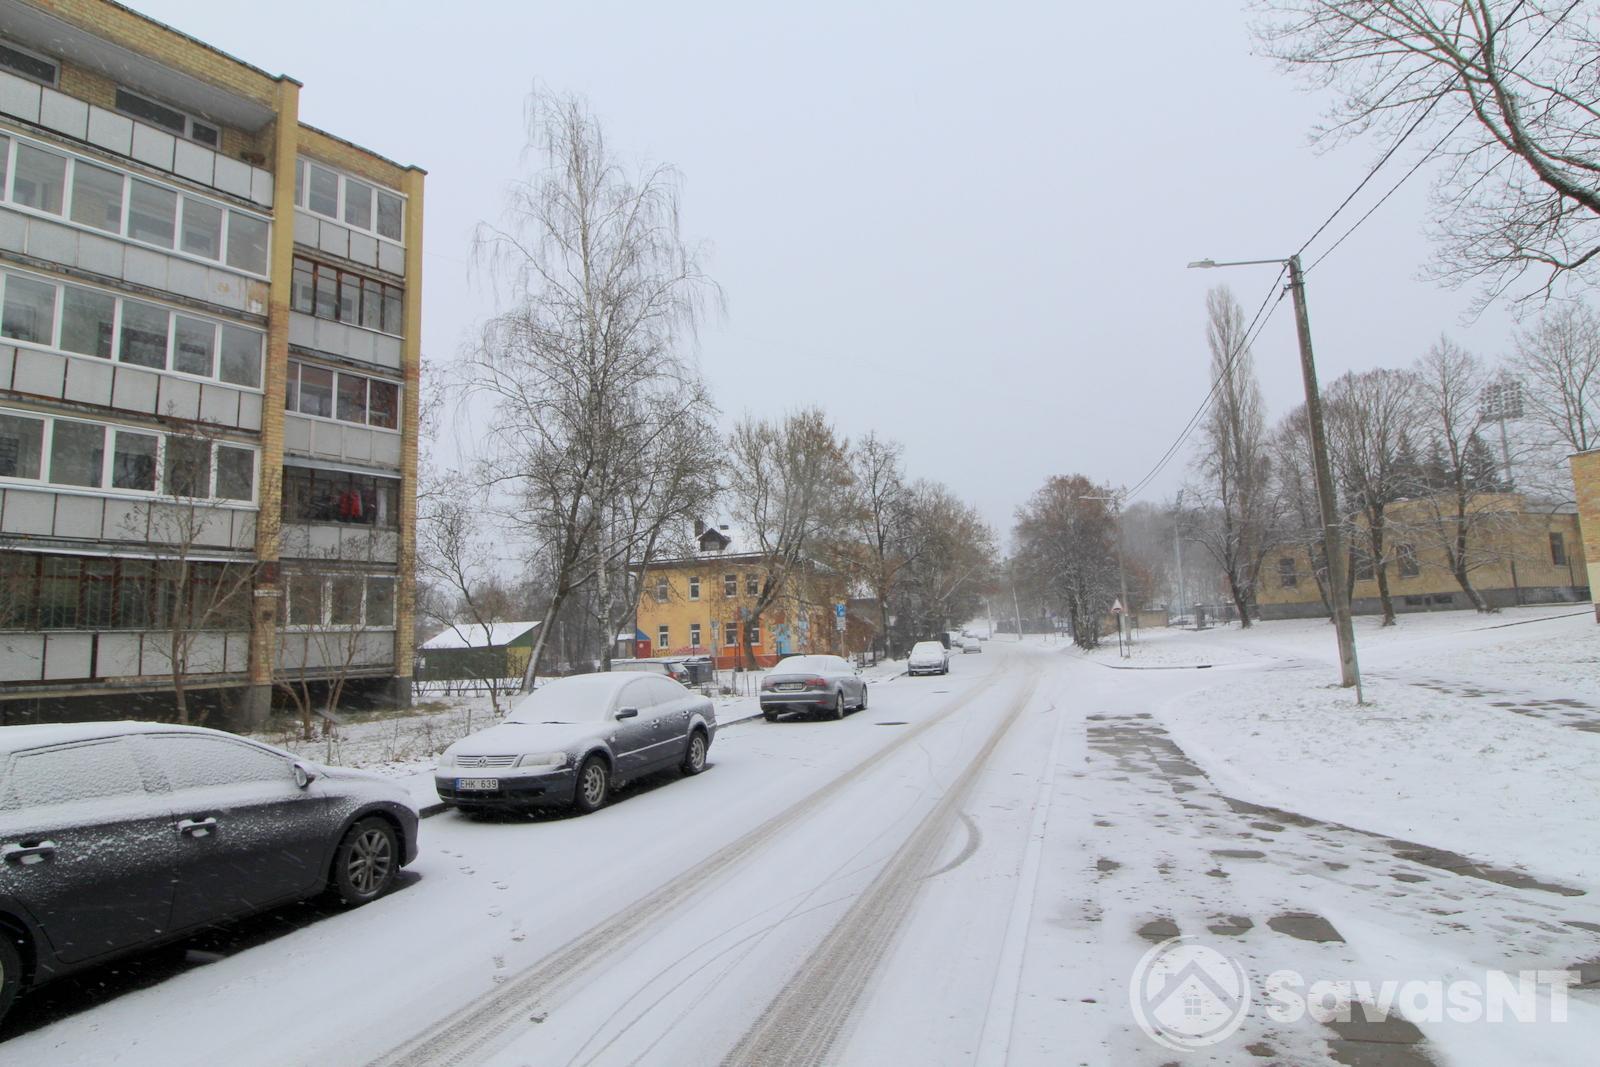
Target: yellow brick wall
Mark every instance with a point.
(95, 88)
(1586, 483)
(165, 44)
(411, 356)
(352, 159)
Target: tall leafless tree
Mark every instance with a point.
(1066, 551)
(881, 517)
(583, 367)
(1233, 463)
(1294, 481)
(1369, 415)
(1512, 85)
(1459, 512)
(1558, 363)
(788, 484)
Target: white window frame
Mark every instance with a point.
(694, 587)
(325, 617)
(302, 199)
(65, 218)
(663, 636)
(115, 358)
(108, 455)
(694, 635)
(292, 374)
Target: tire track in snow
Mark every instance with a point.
(473, 1032)
(802, 1023)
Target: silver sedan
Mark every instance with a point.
(569, 742)
(825, 685)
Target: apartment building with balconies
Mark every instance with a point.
(209, 341)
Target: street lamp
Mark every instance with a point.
(1332, 546)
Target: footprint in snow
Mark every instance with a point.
(501, 885)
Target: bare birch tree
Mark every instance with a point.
(1558, 362)
(1512, 85)
(1294, 481)
(1368, 417)
(1066, 550)
(583, 366)
(1233, 464)
(1458, 513)
(881, 516)
(788, 484)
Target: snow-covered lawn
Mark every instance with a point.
(1480, 734)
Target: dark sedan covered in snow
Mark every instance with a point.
(118, 836)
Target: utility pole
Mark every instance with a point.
(1016, 604)
(1332, 539)
(1177, 551)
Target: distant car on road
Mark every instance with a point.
(570, 742)
(970, 644)
(117, 836)
(928, 657)
(826, 685)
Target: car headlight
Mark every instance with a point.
(544, 760)
(448, 759)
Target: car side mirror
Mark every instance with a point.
(627, 713)
(303, 776)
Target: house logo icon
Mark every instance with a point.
(1187, 996)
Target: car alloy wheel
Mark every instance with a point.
(10, 970)
(594, 782)
(694, 760)
(863, 706)
(367, 860)
(838, 704)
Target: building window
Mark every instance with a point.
(1363, 567)
(168, 118)
(74, 453)
(28, 64)
(661, 590)
(1288, 577)
(149, 335)
(21, 446)
(694, 635)
(752, 634)
(1406, 557)
(358, 204)
(365, 401)
(731, 632)
(730, 585)
(663, 637)
(339, 601)
(752, 584)
(343, 296)
(694, 587)
(71, 593)
(39, 179)
(315, 495)
(112, 201)
(1558, 549)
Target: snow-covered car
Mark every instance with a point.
(117, 836)
(928, 657)
(970, 644)
(665, 668)
(825, 685)
(571, 741)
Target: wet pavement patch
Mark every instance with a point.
(1229, 925)
(888, 724)
(1304, 926)
(1261, 1049)
(1371, 1041)
(1238, 853)
(1106, 865)
(1158, 930)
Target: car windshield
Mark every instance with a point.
(927, 648)
(565, 700)
(806, 665)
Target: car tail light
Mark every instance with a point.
(816, 683)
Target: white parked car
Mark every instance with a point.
(928, 657)
(569, 742)
(970, 644)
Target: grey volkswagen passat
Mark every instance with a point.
(824, 685)
(116, 836)
(569, 742)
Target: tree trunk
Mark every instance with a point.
(1239, 603)
(532, 670)
(1375, 534)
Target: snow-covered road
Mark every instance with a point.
(967, 872)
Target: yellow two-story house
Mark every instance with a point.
(703, 604)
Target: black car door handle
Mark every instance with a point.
(25, 855)
(197, 827)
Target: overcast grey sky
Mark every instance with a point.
(964, 226)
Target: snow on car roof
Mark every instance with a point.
(578, 697)
(16, 738)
